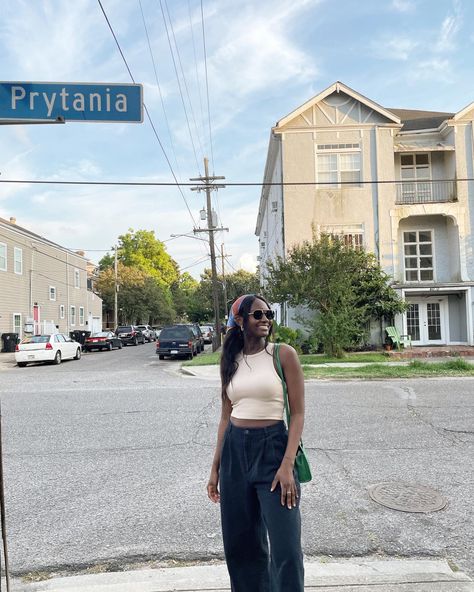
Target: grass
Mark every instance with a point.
(415, 369)
(211, 359)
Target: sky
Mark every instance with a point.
(264, 58)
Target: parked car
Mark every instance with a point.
(130, 334)
(148, 332)
(207, 332)
(198, 334)
(103, 340)
(157, 331)
(177, 340)
(47, 348)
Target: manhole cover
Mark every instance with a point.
(407, 498)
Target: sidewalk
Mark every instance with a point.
(354, 575)
(7, 361)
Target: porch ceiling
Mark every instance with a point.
(414, 147)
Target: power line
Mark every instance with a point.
(196, 66)
(179, 84)
(207, 88)
(146, 110)
(177, 183)
(159, 86)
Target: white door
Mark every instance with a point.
(426, 321)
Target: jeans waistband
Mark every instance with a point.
(276, 428)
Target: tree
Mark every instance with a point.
(346, 288)
(183, 292)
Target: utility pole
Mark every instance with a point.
(207, 186)
(116, 290)
(224, 285)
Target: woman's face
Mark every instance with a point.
(258, 327)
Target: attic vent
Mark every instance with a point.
(274, 206)
(262, 245)
(338, 146)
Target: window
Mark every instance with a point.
(338, 163)
(73, 315)
(18, 260)
(17, 324)
(61, 311)
(52, 293)
(81, 315)
(416, 168)
(418, 255)
(351, 236)
(274, 206)
(3, 257)
(77, 283)
(356, 241)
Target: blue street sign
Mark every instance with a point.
(75, 101)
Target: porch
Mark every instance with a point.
(433, 351)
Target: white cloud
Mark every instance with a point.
(248, 262)
(434, 68)
(403, 5)
(449, 29)
(394, 48)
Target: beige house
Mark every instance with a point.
(43, 286)
(397, 182)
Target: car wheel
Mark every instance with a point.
(120, 345)
(21, 364)
(161, 357)
(135, 342)
(57, 358)
(78, 354)
(194, 354)
(110, 347)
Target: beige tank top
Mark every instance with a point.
(255, 390)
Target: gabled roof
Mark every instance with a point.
(413, 119)
(463, 112)
(338, 87)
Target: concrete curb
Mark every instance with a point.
(363, 575)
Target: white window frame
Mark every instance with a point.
(339, 149)
(418, 269)
(52, 292)
(81, 316)
(72, 315)
(343, 232)
(18, 251)
(77, 278)
(414, 186)
(5, 267)
(19, 331)
(405, 167)
(62, 311)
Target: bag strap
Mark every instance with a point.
(279, 368)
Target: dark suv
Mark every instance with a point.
(130, 335)
(177, 340)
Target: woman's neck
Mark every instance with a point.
(253, 345)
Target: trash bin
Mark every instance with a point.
(80, 336)
(9, 341)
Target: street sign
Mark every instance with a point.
(75, 101)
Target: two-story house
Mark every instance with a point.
(397, 182)
(43, 286)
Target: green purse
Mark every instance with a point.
(303, 470)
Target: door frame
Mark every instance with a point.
(444, 319)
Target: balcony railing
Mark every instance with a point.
(416, 192)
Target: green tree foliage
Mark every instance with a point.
(345, 287)
(183, 292)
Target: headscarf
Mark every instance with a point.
(235, 310)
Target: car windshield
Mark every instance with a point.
(124, 329)
(37, 339)
(175, 333)
(141, 327)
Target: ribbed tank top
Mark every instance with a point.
(255, 390)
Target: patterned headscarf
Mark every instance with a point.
(234, 311)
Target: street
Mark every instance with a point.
(106, 462)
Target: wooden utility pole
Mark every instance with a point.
(208, 185)
(116, 290)
(224, 285)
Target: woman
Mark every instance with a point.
(254, 457)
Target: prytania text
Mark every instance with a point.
(76, 101)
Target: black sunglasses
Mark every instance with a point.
(258, 314)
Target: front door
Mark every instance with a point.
(426, 321)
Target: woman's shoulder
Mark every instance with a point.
(287, 352)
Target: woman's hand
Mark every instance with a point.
(284, 476)
(212, 490)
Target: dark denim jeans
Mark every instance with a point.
(252, 516)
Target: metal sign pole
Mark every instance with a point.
(2, 510)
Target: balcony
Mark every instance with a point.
(418, 192)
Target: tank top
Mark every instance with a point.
(255, 390)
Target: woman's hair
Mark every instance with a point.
(234, 341)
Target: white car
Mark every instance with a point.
(47, 348)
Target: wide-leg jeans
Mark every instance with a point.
(262, 538)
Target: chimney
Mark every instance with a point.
(81, 253)
(12, 220)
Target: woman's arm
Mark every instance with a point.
(212, 486)
(295, 385)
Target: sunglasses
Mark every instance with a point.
(258, 314)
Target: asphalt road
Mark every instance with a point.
(106, 461)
